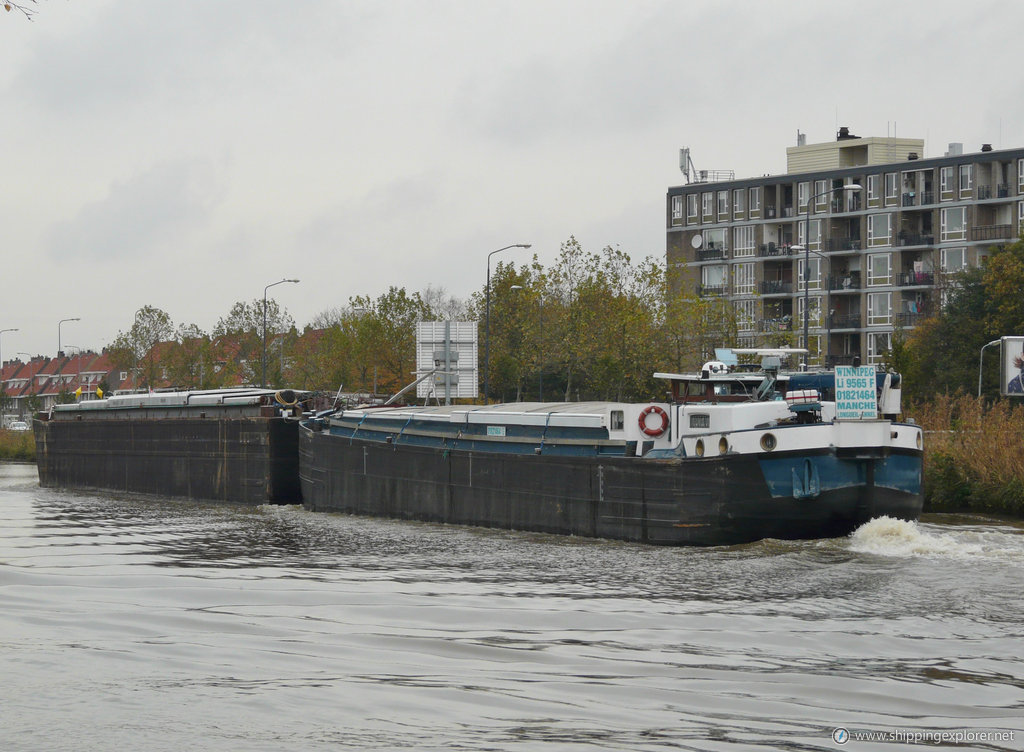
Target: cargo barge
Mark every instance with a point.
(734, 456)
(238, 445)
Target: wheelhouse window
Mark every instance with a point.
(616, 420)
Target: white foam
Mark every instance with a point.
(887, 536)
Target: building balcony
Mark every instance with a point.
(776, 287)
(833, 245)
(843, 282)
(844, 321)
(987, 192)
(911, 198)
(710, 291)
(711, 253)
(847, 359)
(905, 238)
(915, 279)
(992, 232)
(781, 324)
(771, 250)
(909, 320)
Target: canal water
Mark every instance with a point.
(156, 624)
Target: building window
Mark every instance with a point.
(821, 195)
(890, 188)
(691, 209)
(714, 278)
(879, 230)
(814, 306)
(1020, 219)
(739, 203)
(723, 205)
(879, 269)
(803, 192)
(716, 240)
(966, 180)
(879, 343)
(743, 241)
(743, 278)
(874, 192)
(677, 210)
(954, 223)
(1020, 176)
(953, 260)
(946, 183)
(814, 269)
(755, 202)
(879, 308)
(707, 205)
(815, 242)
(746, 315)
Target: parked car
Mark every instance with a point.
(19, 425)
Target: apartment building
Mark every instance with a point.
(881, 231)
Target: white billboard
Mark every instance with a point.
(856, 398)
(449, 349)
(1011, 369)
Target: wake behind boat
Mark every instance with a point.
(734, 456)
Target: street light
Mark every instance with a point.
(58, 333)
(981, 361)
(1, 354)
(807, 259)
(487, 340)
(263, 381)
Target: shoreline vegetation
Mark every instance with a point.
(17, 446)
(972, 461)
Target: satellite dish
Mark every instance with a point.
(697, 241)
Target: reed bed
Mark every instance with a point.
(974, 454)
(17, 445)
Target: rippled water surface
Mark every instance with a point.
(156, 624)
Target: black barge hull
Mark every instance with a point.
(251, 460)
(681, 501)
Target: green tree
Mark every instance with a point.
(242, 331)
(136, 349)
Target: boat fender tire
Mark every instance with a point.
(653, 410)
(286, 397)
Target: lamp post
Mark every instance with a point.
(1, 354)
(58, 333)
(263, 380)
(807, 259)
(981, 361)
(487, 335)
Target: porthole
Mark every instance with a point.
(919, 442)
(768, 442)
(699, 449)
(723, 445)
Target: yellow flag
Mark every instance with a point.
(78, 392)
(99, 393)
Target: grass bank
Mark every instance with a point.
(17, 445)
(974, 454)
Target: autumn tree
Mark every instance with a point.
(136, 349)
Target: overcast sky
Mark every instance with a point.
(185, 155)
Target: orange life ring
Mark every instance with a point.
(655, 410)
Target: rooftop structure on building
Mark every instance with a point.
(881, 230)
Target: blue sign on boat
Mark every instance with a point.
(856, 398)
